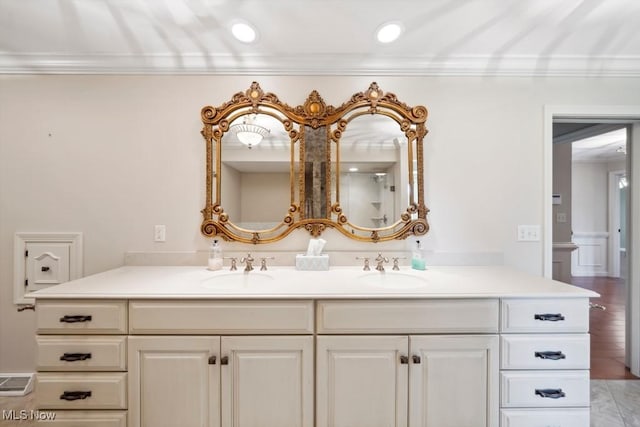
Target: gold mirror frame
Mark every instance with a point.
(315, 114)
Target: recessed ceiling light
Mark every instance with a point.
(243, 32)
(389, 32)
(353, 169)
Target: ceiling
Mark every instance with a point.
(606, 147)
(322, 37)
(593, 142)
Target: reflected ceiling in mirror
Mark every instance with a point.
(273, 168)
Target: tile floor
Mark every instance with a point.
(615, 403)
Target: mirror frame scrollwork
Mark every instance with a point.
(314, 114)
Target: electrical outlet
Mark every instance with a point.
(160, 233)
(561, 217)
(528, 233)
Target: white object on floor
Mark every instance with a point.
(16, 384)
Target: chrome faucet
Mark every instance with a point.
(379, 261)
(248, 262)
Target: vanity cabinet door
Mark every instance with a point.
(453, 381)
(361, 381)
(267, 381)
(174, 381)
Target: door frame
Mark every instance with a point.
(614, 222)
(630, 113)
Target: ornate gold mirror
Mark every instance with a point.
(272, 168)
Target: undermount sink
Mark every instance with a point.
(392, 280)
(238, 279)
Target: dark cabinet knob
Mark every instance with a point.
(75, 357)
(75, 319)
(75, 395)
(416, 359)
(549, 317)
(550, 355)
(404, 360)
(551, 393)
(224, 360)
(212, 360)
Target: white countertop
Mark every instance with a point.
(288, 283)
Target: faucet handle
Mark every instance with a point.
(263, 262)
(366, 263)
(395, 262)
(234, 263)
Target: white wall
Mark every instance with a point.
(562, 171)
(230, 190)
(589, 197)
(265, 198)
(113, 155)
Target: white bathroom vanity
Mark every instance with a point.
(183, 346)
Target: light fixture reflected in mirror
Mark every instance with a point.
(622, 182)
(249, 133)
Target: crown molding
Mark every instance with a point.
(330, 64)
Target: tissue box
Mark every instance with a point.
(312, 262)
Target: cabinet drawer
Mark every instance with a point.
(407, 316)
(81, 391)
(562, 388)
(570, 417)
(545, 315)
(81, 317)
(221, 317)
(558, 351)
(87, 419)
(74, 353)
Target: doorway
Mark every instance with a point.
(589, 168)
(629, 115)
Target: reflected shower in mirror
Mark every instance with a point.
(373, 171)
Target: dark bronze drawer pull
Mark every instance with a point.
(45, 268)
(549, 317)
(404, 360)
(224, 360)
(75, 319)
(550, 355)
(75, 357)
(552, 393)
(74, 395)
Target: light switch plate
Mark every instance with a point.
(528, 233)
(160, 233)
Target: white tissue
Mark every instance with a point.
(315, 247)
(320, 247)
